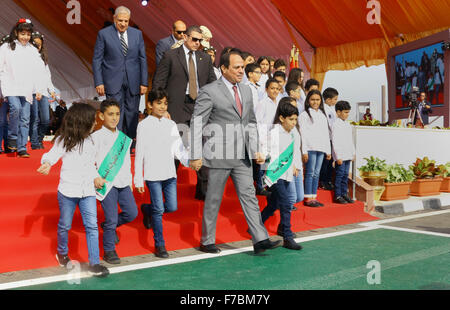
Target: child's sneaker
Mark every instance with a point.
(63, 260)
(98, 271)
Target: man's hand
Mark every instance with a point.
(305, 158)
(296, 171)
(100, 90)
(38, 96)
(140, 190)
(99, 182)
(44, 169)
(328, 156)
(260, 158)
(167, 115)
(143, 90)
(339, 162)
(195, 164)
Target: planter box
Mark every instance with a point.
(396, 191)
(445, 185)
(425, 187)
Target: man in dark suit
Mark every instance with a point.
(120, 68)
(423, 109)
(182, 72)
(222, 104)
(165, 44)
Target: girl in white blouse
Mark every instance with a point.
(315, 144)
(74, 145)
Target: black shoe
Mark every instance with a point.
(116, 238)
(98, 271)
(340, 200)
(23, 154)
(266, 244)
(147, 218)
(281, 234)
(319, 203)
(12, 145)
(161, 252)
(291, 244)
(294, 208)
(312, 203)
(35, 147)
(111, 257)
(200, 197)
(63, 260)
(348, 199)
(210, 248)
(327, 186)
(331, 185)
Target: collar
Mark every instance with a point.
(186, 51)
(228, 83)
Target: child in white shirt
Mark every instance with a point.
(114, 168)
(157, 143)
(343, 152)
(74, 145)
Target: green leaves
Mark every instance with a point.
(425, 168)
(373, 164)
(396, 173)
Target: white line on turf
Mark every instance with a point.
(404, 218)
(415, 231)
(112, 270)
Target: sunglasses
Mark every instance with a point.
(196, 39)
(180, 31)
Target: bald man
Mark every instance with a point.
(163, 45)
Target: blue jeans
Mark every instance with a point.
(88, 209)
(19, 121)
(123, 196)
(158, 207)
(341, 181)
(39, 120)
(312, 173)
(279, 199)
(296, 189)
(3, 124)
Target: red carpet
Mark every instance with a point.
(30, 216)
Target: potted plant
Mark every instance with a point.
(397, 182)
(445, 174)
(374, 173)
(427, 180)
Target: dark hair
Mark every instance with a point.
(193, 28)
(295, 74)
(157, 94)
(279, 74)
(330, 93)
(279, 63)
(225, 57)
(285, 109)
(76, 125)
(19, 27)
(307, 105)
(342, 106)
(290, 86)
(43, 51)
(108, 103)
(245, 55)
(270, 81)
(251, 68)
(310, 83)
(261, 59)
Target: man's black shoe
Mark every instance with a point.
(116, 238)
(161, 252)
(63, 260)
(266, 244)
(327, 186)
(98, 271)
(291, 244)
(12, 145)
(111, 257)
(312, 203)
(23, 154)
(147, 218)
(210, 248)
(340, 200)
(348, 199)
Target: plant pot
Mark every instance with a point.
(396, 191)
(445, 185)
(375, 179)
(425, 187)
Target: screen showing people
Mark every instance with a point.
(421, 70)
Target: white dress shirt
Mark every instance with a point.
(157, 143)
(265, 115)
(78, 168)
(342, 138)
(331, 115)
(186, 54)
(125, 36)
(104, 140)
(314, 132)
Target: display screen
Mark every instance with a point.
(422, 68)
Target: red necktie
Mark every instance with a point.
(238, 100)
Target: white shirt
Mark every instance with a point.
(314, 132)
(230, 88)
(280, 139)
(125, 36)
(331, 115)
(104, 140)
(49, 85)
(265, 114)
(78, 168)
(342, 138)
(186, 53)
(217, 72)
(157, 143)
(23, 71)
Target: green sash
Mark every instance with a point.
(280, 165)
(112, 163)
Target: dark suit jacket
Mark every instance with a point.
(424, 114)
(110, 66)
(163, 46)
(172, 75)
